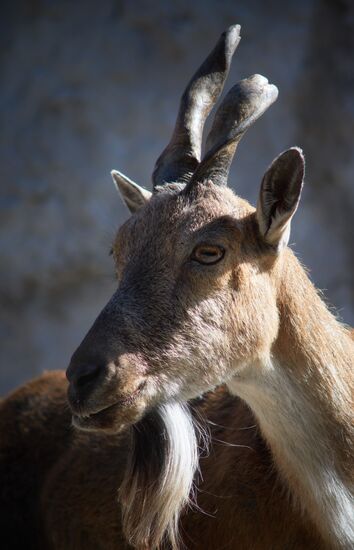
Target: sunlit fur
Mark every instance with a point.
(172, 331)
(291, 423)
(253, 321)
(159, 475)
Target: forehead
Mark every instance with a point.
(171, 213)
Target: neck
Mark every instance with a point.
(302, 397)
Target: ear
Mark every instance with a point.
(134, 196)
(279, 197)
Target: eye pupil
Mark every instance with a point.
(208, 254)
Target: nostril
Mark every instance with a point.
(83, 375)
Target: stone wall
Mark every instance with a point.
(88, 86)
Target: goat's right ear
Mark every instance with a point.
(279, 197)
(134, 196)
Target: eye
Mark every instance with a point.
(208, 254)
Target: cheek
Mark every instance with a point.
(199, 347)
(253, 316)
(217, 333)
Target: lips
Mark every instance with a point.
(110, 418)
(102, 420)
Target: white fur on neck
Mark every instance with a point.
(299, 441)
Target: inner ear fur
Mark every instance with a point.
(279, 196)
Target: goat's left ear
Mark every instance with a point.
(134, 196)
(279, 197)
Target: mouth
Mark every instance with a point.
(112, 418)
(96, 421)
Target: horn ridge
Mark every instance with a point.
(181, 157)
(241, 107)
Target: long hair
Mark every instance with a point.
(159, 475)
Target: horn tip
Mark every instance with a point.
(266, 92)
(233, 30)
(232, 37)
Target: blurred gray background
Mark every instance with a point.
(90, 86)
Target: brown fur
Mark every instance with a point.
(207, 294)
(35, 426)
(243, 503)
(61, 488)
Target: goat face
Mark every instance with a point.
(194, 304)
(199, 271)
(196, 265)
